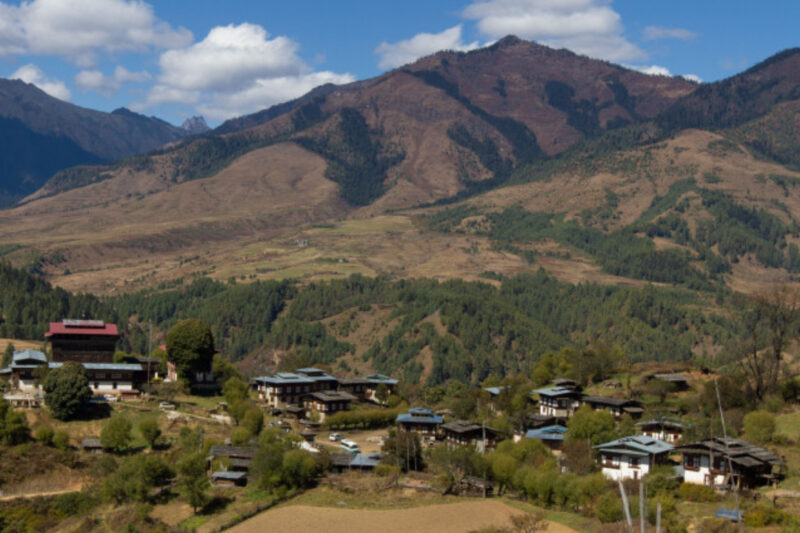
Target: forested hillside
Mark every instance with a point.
(489, 328)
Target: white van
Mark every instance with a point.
(349, 446)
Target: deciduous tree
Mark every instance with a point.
(66, 390)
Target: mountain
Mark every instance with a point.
(195, 125)
(493, 162)
(41, 124)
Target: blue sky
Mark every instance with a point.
(178, 58)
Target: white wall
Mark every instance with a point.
(625, 470)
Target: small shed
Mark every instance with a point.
(229, 479)
(92, 445)
(474, 486)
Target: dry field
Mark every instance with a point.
(458, 517)
(20, 344)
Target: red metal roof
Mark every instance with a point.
(81, 327)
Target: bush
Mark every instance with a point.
(759, 427)
(240, 436)
(45, 434)
(61, 440)
(609, 508)
(116, 434)
(762, 515)
(150, 431)
(697, 493)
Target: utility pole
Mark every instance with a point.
(626, 507)
(641, 506)
(658, 517)
(728, 453)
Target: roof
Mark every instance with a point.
(564, 382)
(106, 366)
(361, 460)
(726, 513)
(494, 391)
(547, 433)
(636, 445)
(28, 355)
(91, 442)
(740, 452)
(233, 451)
(332, 396)
(82, 327)
(341, 459)
(419, 415)
(674, 378)
(284, 377)
(315, 374)
(666, 424)
(230, 476)
(380, 378)
(557, 391)
(466, 426)
(352, 381)
(610, 401)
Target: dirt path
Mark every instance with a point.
(447, 518)
(6, 497)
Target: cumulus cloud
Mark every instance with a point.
(653, 33)
(589, 27)
(30, 73)
(94, 80)
(393, 55)
(79, 29)
(236, 69)
(692, 77)
(658, 70)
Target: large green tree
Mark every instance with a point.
(116, 434)
(66, 390)
(193, 480)
(190, 346)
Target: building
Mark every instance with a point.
(678, 381)
(420, 420)
(632, 457)
(289, 388)
(551, 436)
(86, 341)
(566, 383)
(560, 402)
(22, 374)
(355, 386)
(104, 378)
(322, 381)
(374, 382)
(326, 403)
(237, 461)
(722, 462)
(616, 406)
(92, 445)
(465, 433)
(665, 430)
(225, 478)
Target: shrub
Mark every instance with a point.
(609, 508)
(697, 493)
(116, 434)
(45, 434)
(150, 431)
(61, 440)
(759, 427)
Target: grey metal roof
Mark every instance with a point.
(419, 415)
(465, 426)
(636, 444)
(28, 355)
(366, 460)
(547, 433)
(233, 451)
(738, 450)
(380, 378)
(494, 391)
(557, 391)
(332, 396)
(230, 476)
(106, 366)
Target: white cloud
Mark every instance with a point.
(393, 55)
(653, 70)
(30, 73)
(589, 27)
(653, 33)
(692, 77)
(79, 29)
(236, 69)
(94, 80)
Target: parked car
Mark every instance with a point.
(166, 406)
(335, 437)
(111, 397)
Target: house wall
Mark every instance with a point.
(702, 475)
(665, 436)
(621, 467)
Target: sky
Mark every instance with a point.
(178, 58)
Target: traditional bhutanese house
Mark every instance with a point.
(355, 386)
(709, 462)
(632, 457)
(616, 406)
(150, 366)
(665, 430)
(551, 436)
(374, 381)
(558, 401)
(678, 381)
(86, 341)
(326, 403)
(420, 420)
(322, 381)
(465, 433)
(237, 458)
(22, 373)
(282, 389)
(111, 378)
(226, 478)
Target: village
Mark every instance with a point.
(366, 426)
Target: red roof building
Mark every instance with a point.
(86, 341)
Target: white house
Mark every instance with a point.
(666, 430)
(560, 402)
(709, 462)
(632, 457)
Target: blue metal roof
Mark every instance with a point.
(282, 378)
(556, 391)
(494, 391)
(28, 355)
(363, 460)
(130, 367)
(419, 415)
(726, 513)
(547, 433)
(232, 476)
(635, 445)
(380, 378)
